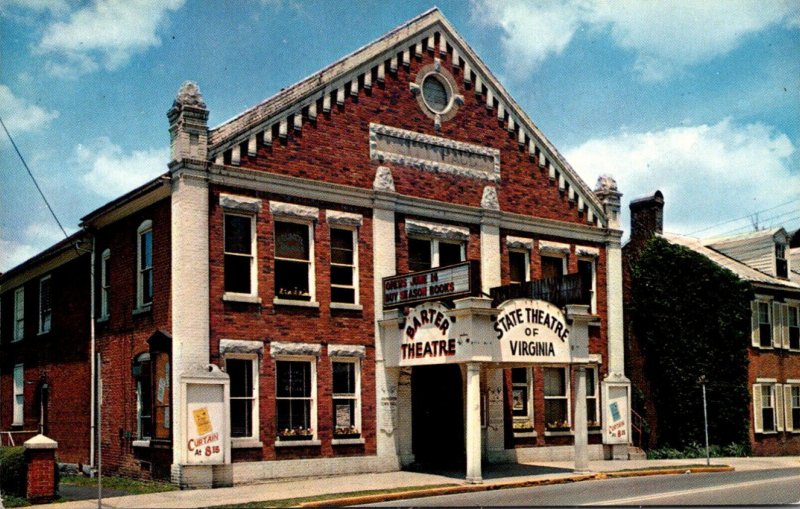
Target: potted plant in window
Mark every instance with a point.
(295, 434)
(348, 432)
(557, 426)
(593, 425)
(523, 427)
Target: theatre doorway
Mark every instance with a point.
(437, 416)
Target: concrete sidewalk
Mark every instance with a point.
(493, 474)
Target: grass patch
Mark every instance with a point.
(130, 486)
(667, 467)
(12, 501)
(294, 502)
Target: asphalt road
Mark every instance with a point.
(756, 487)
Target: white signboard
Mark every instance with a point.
(530, 330)
(205, 440)
(617, 416)
(427, 336)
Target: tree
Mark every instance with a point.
(692, 318)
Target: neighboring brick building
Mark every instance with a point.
(762, 259)
(263, 251)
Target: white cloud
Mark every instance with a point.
(54, 6)
(105, 34)
(20, 116)
(708, 173)
(12, 253)
(109, 171)
(665, 36)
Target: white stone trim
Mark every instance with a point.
(376, 130)
(240, 203)
(278, 348)
(436, 230)
(518, 242)
(548, 246)
(292, 210)
(587, 251)
(297, 443)
(343, 218)
(347, 441)
(337, 350)
(346, 307)
(766, 380)
(229, 346)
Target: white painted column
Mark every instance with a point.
(581, 428)
(190, 287)
(616, 344)
(490, 277)
(473, 421)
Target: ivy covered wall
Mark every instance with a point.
(692, 319)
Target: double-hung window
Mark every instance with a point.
(105, 283)
(764, 408)
(793, 407)
(346, 398)
(144, 396)
(144, 265)
(19, 313)
(591, 397)
(296, 398)
(586, 268)
(19, 395)
(793, 325)
(243, 371)
(762, 324)
(518, 266)
(425, 254)
(240, 254)
(522, 399)
(553, 266)
(294, 255)
(344, 265)
(45, 305)
(556, 399)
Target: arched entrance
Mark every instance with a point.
(437, 415)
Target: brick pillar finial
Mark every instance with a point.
(188, 124)
(608, 193)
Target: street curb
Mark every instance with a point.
(473, 488)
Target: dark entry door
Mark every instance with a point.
(438, 415)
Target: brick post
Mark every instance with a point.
(40, 457)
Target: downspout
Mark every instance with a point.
(93, 395)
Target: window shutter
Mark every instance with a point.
(755, 335)
(787, 406)
(758, 425)
(779, 407)
(785, 326)
(776, 324)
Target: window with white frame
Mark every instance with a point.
(553, 266)
(426, 254)
(518, 266)
(522, 399)
(344, 265)
(592, 406)
(19, 395)
(781, 264)
(294, 255)
(556, 398)
(793, 407)
(19, 313)
(586, 268)
(296, 398)
(764, 408)
(240, 254)
(346, 397)
(763, 325)
(243, 372)
(792, 313)
(105, 283)
(144, 396)
(45, 305)
(144, 265)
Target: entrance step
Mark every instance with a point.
(635, 453)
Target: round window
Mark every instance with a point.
(436, 93)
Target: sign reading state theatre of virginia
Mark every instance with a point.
(532, 331)
(427, 285)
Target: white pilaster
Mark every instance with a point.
(490, 252)
(190, 286)
(495, 431)
(616, 345)
(581, 429)
(473, 418)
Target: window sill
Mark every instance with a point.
(141, 443)
(525, 434)
(102, 319)
(297, 443)
(346, 307)
(16, 340)
(142, 310)
(241, 297)
(558, 433)
(43, 333)
(246, 443)
(347, 441)
(296, 303)
(766, 432)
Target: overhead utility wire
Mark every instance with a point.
(33, 178)
(764, 223)
(741, 218)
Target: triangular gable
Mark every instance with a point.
(285, 111)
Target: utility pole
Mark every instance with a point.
(702, 381)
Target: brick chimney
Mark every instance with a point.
(647, 217)
(188, 124)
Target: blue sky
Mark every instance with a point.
(698, 99)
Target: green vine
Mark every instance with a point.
(692, 318)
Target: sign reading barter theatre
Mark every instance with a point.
(427, 336)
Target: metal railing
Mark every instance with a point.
(637, 425)
(559, 291)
